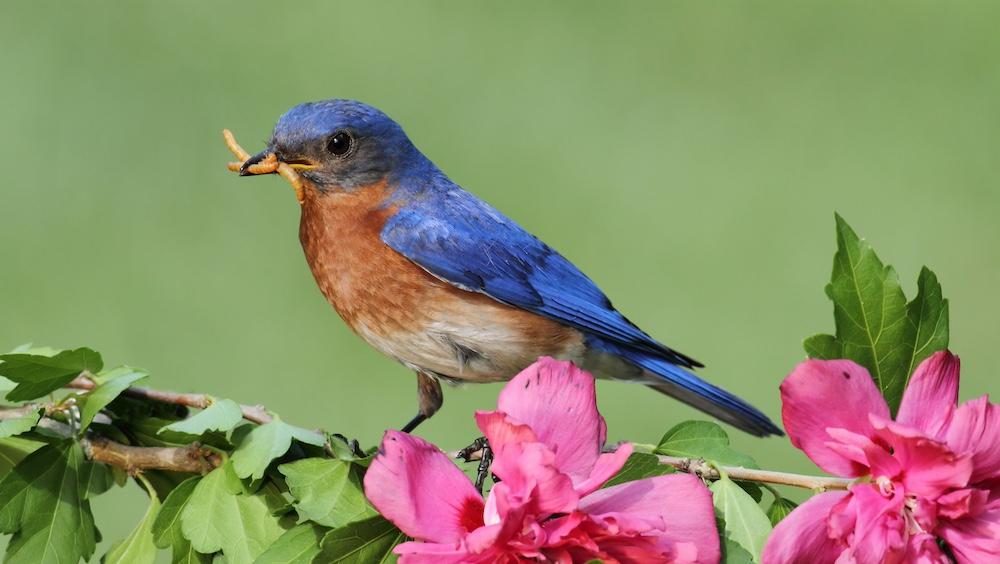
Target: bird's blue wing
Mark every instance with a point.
(466, 242)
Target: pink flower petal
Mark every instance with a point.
(880, 532)
(803, 535)
(608, 464)
(679, 505)
(923, 549)
(414, 485)
(974, 539)
(822, 394)
(975, 428)
(557, 400)
(930, 397)
(924, 466)
(500, 430)
(529, 476)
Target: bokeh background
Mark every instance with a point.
(687, 155)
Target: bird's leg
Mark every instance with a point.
(480, 448)
(429, 398)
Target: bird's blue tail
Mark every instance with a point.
(671, 379)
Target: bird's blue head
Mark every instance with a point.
(340, 145)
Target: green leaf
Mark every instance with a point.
(13, 450)
(928, 314)
(780, 508)
(298, 544)
(365, 542)
(702, 439)
(875, 327)
(42, 502)
(327, 491)
(239, 524)
(267, 442)
(39, 375)
(639, 465)
(96, 479)
(732, 553)
(184, 553)
(22, 424)
(138, 547)
(744, 521)
(97, 399)
(167, 527)
(222, 415)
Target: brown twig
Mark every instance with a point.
(708, 471)
(255, 413)
(192, 459)
(269, 165)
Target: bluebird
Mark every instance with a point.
(441, 281)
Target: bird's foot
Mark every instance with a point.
(479, 450)
(344, 448)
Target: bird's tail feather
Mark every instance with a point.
(668, 378)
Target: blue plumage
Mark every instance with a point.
(345, 147)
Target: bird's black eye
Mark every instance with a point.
(340, 144)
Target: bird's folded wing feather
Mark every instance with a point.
(467, 243)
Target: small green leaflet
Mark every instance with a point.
(875, 326)
(702, 439)
(365, 542)
(780, 508)
(222, 415)
(138, 547)
(298, 544)
(22, 424)
(639, 465)
(327, 491)
(39, 375)
(167, 527)
(13, 450)
(733, 553)
(267, 442)
(42, 501)
(744, 521)
(239, 524)
(113, 383)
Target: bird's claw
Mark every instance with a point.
(479, 450)
(340, 444)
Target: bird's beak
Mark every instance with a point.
(257, 164)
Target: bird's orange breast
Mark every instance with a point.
(404, 311)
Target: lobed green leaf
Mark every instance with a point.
(112, 385)
(222, 415)
(43, 502)
(38, 375)
(138, 547)
(875, 326)
(702, 439)
(365, 542)
(639, 465)
(216, 518)
(327, 491)
(779, 509)
(267, 442)
(743, 521)
(298, 544)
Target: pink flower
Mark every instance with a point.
(931, 475)
(547, 437)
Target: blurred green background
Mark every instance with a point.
(688, 156)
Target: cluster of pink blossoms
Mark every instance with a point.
(931, 475)
(547, 437)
